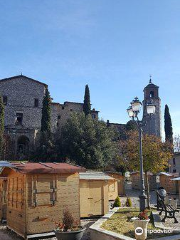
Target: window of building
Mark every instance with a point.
(174, 161)
(71, 110)
(59, 116)
(62, 107)
(93, 116)
(174, 170)
(19, 118)
(5, 100)
(36, 102)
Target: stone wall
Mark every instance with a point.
(21, 94)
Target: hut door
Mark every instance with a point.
(96, 197)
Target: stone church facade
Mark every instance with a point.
(22, 98)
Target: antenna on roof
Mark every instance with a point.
(150, 81)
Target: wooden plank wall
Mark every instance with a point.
(112, 189)
(168, 184)
(121, 184)
(16, 202)
(47, 196)
(3, 199)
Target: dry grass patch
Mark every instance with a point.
(120, 222)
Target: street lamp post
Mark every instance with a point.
(133, 112)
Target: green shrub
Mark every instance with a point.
(128, 202)
(117, 202)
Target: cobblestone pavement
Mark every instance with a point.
(134, 195)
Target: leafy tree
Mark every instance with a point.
(87, 142)
(131, 125)
(168, 125)
(87, 103)
(155, 154)
(45, 150)
(1, 127)
(46, 113)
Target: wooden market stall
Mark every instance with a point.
(37, 194)
(120, 182)
(177, 181)
(167, 183)
(135, 178)
(95, 192)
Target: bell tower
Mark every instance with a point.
(153, 122)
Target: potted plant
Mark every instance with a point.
(140, 225)
(69, 229)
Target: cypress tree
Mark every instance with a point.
(1, 126)
(46, 113)
(87, 104)
(168, 125)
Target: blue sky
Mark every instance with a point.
(112, 45)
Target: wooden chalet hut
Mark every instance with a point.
(3, 189)
(95, 192)
(167, 183)
(120, 182)
(37, 194)
(177, 181)
(135, 178)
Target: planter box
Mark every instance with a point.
(140, 227)
(75, 235)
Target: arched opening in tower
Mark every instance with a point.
(151, 95)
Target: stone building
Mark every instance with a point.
(152, 122)
(61, 112)
(22, 98)
(174, 163)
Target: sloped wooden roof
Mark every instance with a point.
(38, 168)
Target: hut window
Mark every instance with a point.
(174, 170)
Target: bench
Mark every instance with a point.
(168, 209)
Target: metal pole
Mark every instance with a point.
(142, 196)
